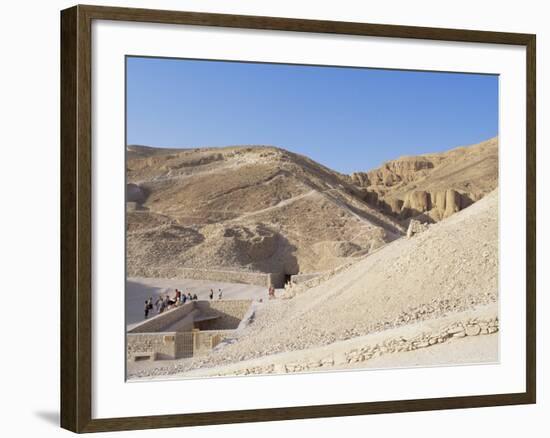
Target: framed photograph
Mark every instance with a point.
(271, 218)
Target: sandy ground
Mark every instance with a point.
(140, 289)
(470, 350)
(478, 350)
(454, 351)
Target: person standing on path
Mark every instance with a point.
(161, 304)
(148, 306)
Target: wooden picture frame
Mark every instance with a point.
(76, 217)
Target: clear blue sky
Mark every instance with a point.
(348, 119)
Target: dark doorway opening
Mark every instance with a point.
(287, 279)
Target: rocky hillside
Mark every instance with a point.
(259, 208)
(432, 186)
(266, 209)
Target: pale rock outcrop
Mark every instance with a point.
(360, 179)
(416, 227)
(416, 202)
(439, 202)
(446, 203)
(438, 205)
(405, 169)
(395, 205)
(452, 202)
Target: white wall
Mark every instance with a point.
(29, 184)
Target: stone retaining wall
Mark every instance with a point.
(301, 278)
(162, 345)
(230, 312)
(257, 278)
(172, 345)
(204, 341)
(346, 359)
(246, 277)
(160, 322)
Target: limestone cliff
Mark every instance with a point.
(433, 186)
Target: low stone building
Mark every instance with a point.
(189, 330)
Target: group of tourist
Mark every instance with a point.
(163, 303)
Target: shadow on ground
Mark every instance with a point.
(51, 417)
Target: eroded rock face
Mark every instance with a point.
(371, 197)
(405, 169)
(435, 185)
(417, 202)
(395, 206)
(200, 161)
(439, 202)
(439, 205)
(452, 202)
(360, 179)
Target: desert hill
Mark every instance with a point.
(263, 208)
(258, 208)
(432, 185)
